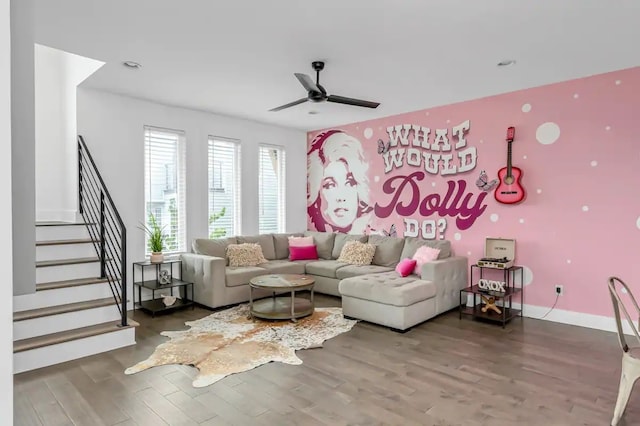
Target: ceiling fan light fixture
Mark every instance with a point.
(506, 63)
(132, 64)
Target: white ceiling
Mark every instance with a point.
(237, 57)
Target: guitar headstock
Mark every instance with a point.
(511, 133)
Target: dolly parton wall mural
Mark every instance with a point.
(384, 188)
(433, 174)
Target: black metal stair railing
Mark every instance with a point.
(105, 227)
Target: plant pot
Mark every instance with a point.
(156, 257)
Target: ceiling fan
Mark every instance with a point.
(317, 93)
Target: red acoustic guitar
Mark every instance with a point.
(509, 191)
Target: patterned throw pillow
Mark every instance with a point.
(246, 254)
(300, 241)
(357, 253)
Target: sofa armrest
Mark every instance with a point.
(450, 275)
(207, 273)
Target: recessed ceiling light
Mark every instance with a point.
(312, 112)
(506, 63)
(132, 64)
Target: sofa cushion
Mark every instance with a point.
(340, 239)
(388, 288)
(411, 244)
(265, 241)
(213, 247)
(324, 243)
(245, 254)
(281, 244)
(357, 270)
(356, 253)
(241, 275)
(388, 250)
(324, 268)
(283, 267)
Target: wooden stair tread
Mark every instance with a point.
(62, 309)
(66, 336)
(63, 242)
(70, 283)
(72, 261)
(59, 223)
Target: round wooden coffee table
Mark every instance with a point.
(284, 306)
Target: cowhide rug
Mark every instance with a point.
(227, 342)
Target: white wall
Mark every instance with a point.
(23, 147)
(57, 74)
(112, 127)
(6, 320)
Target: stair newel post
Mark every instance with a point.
(123, 282)
(102, 237)
(80, 177)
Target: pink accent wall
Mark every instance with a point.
(578, 146)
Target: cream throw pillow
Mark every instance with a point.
(357, 253)
(245, 254)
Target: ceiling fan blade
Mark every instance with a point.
(352, 101)
(307, 82)
(290, 104)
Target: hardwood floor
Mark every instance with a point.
(443, 372)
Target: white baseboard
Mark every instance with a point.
(74, 349)
(56, 215)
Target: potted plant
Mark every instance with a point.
(156, 239)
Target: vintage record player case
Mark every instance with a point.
(499, 253)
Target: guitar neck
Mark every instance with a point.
(509, 160)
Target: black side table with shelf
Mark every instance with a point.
(156, 305)
(506, 297)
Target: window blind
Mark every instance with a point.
(224, 187)
(165, 185)
(271, 189)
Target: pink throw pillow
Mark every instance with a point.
(406, 267)
(301, 241)
(423, 255)
(303, 253)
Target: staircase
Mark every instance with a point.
(79, 307)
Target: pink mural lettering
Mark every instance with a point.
(455, 202)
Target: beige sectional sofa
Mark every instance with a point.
(375, 293)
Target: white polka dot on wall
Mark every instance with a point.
(618, 82)
(608, 128)
(547, 133)
(521, 221)
(526, 107)
(585, 208)
(576, 96)
(426, 113)
(368, 132)
(357, 127)
(527, 276)
(433, 184)
(376, 178)
(448, 121)
(457, 236)
(524, 157)
(594, 163)
(568, 260)
(494, 217)
(638, 222)
(468, 253)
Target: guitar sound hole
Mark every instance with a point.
(508, 180)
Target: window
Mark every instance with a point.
(224, 187)
(164, 185)
(271, 189)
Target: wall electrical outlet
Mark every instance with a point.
(560, 290)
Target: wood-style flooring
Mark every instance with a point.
(443, 372)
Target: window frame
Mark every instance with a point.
(237, 183)
(282, 187)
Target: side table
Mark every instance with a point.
(156, 305)
(505, 298)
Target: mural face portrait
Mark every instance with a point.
(339, 195)
(338, 186)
